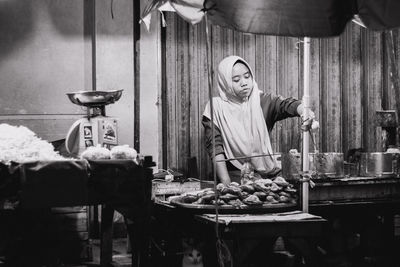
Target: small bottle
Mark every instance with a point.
(247, 173)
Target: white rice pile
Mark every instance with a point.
(19, 144)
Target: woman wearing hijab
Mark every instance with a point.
(243, 118)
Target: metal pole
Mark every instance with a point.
(94, 72)
(219, 244)
(306, 104)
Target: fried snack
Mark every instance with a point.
(252, 200)
(265, 182)
(243, 195)
(275, 188)
(284, 199)
(274, 195)
(208, 197)
(271, 200)
(261, 195)
(280, 181)
(219, 202)
(189, 199)
(247, 188)
(228, 197)
(235, 203)
(235, 184)
(199, 201)
(283, 193)
(231, 190)
(261, 187)
(193, 193)
(220, 187)
(290, 189)
(205, 192)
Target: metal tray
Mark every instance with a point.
(231, 209)
(94, 98)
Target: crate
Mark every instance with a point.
(72, 233)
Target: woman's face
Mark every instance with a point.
(242, 81)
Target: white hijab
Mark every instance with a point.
(242, 124)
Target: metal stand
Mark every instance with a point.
(306, 136)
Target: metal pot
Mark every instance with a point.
(379, 164)
(325, 165)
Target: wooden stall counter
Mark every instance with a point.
(361, 211)
(300, 228)
(358, 201)
(355, 191)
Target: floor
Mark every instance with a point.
(123, 259)
(120, 256)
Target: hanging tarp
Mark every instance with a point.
(299, 18)
(379, 14)
(284, 17)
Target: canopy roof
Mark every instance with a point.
(299, 18)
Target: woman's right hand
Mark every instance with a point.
(308, 121)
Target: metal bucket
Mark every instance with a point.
(379, 164)
(325, 165)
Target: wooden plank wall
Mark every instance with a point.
(43, 55)
(46, 52)
(349, 81)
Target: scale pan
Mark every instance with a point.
(94, 98)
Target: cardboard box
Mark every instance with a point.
(99, 130)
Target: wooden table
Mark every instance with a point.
(115, 185)
(236, 228)
(294, 225)
(362, 206)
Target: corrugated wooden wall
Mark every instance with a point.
(349, 81)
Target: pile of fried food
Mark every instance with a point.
(253, 193)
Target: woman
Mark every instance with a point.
(243, 119)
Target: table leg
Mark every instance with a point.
(140, 241)
(106, 235)
(94, 221)
(389, 244)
